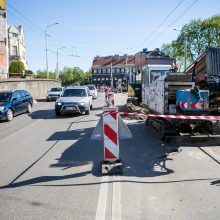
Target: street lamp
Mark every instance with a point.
(57, 69)
(46, 45)
(185, 45)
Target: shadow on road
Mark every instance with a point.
(142, 156)
(50, 114)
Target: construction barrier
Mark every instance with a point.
(195, 117)
(110, 131)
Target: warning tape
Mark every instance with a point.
(195, 117)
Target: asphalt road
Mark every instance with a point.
(50, 169)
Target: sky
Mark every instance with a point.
(87, 28)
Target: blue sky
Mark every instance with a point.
(99, 27)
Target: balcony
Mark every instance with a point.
(15, 57)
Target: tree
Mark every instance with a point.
(73, 75)
(201, 34)
(16, 67)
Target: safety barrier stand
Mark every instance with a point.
(110, 129)
(109, 99)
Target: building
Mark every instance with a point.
(3, 43)
(154, 57)
(16, 44)
(119, 69)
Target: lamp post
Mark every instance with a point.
(46, 45)
(57, 69)
(185, 47)
(111, 75)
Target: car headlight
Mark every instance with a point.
(2, 108)
(59, 103)
(82, 103)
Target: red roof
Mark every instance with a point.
(115, 60)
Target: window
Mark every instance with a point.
(15, 95)
(14, 35)
(94, 71)
(108, 70)
(122, 70)
(113, 70)
(14, 51)
(99, 70)
(74, 92)
(103, 70)
(133, 69)
(118, 70)
(94, 79)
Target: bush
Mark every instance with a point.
(16, 67)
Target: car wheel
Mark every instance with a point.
(29, 108)
(58, 113)
(87, 111)
(10, 115)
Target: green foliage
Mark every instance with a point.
(29, 72)
(71, 76)
(43, 75)
(200, 34)
(16, 67)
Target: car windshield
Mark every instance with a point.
(4, 96)
(56, 90)
(74, 92)
(91, 87)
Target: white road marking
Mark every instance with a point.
(102, 201)
(116, 198)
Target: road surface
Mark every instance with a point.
(50, 169)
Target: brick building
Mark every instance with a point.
(121, 68)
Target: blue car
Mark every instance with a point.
(14, 102)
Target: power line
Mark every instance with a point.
(173, 22)
(9, 12)
(35, 25)
(160, 24)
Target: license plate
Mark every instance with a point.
(70, 108)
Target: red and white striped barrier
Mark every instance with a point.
(109, 99)
(196, 117)
(110, 133)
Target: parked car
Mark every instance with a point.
(75, 99)
(93, 91)
(54, 93)
(14, 102)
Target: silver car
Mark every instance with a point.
(93, 91)
(74, 99)
(54, 93)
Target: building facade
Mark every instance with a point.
(3, 45)
(16, 44)
(113, 69)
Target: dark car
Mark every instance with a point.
(14, 102)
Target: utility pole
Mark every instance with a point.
(57, 69)
(185, 47)
(46, 47)
(185, 50)
(111, 75)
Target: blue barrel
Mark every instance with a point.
(189, 101)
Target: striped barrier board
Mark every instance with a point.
(110, 133)
(195, 117)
